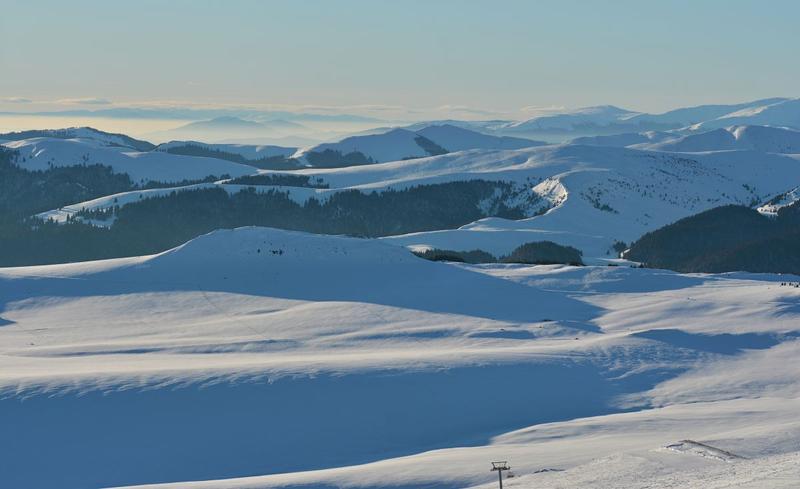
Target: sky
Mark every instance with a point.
(401, 59)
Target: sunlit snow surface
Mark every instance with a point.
(292, 359)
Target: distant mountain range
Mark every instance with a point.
(757, 138)
(65, 147)
(450, 186)
(229, 125)
(608, 119)
(402, 144)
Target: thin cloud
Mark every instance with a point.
(17, 100)
(84, 101)
(538, 109)
(341, 108)
(463, 109)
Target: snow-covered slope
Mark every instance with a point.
(775, 112)
(610, 120)
(715, 140)
(759, 138)
(41, 153)
(101, 137)
(107, 202)
(773, 205)
(625, 139)
(337, 362)
(692, 115)
(431, 139)
(620, 451)
(486, 127)
(599, 194)
(396, 144)
(578, 119)
(596, 195)
(454, 138)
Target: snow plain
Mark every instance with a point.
(298, 360)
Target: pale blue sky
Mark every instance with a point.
(497, 56)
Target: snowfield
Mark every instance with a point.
(264, 358)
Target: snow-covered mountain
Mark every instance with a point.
(692, 115)
(41, 153)
(610, 120)
(382, 145)
(396, 144)
(758, 138)
(454, 138)
(263, 358)
(625, 139)
(777, 113)
(486, 127)
(402, 144)
(101, 137)
(575, 120)
(594, 196)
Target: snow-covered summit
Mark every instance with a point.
(624, 139)
(608, 120)
(402, 144)
(774, 112)
(41, 153)
(89, 133)
(758, 138)
(454, 138)
(602, 115)
(249, 246)
(396, 144)
(686, 116)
